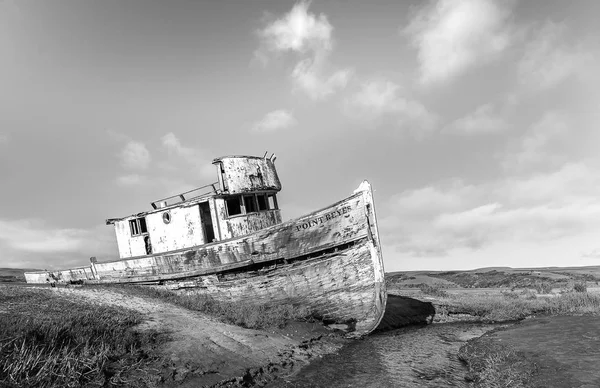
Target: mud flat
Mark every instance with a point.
(203, 351)
(562, 351)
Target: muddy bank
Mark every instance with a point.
(202, 351)
(558, 351)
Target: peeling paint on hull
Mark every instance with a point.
(329, 261)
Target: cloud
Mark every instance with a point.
(298, 31)
(174, 146)
(548, 59)
(274, 121)
(135, 156)
(380, 98)
(308, 77)
(188, 155)
(310, 37)
(441, 218)
(593, 254)
(3, 138)
(33, 243)
(452, 36)
(32, 235)
(483, 120)
(541, 145)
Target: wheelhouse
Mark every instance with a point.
(243, 200)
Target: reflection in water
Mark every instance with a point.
(423, 356)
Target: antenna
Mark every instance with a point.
(265, 155)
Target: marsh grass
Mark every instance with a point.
(495, 365)
(513, 306)
(433, 290)
(246, 315)
(49, 341)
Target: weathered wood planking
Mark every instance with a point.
(342, 281)
(338, 287)
(341, 223)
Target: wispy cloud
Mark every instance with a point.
(381, 98)
(541, 145)
(549, 59)
(593, 254)
(452, 36)
(439, 218)
(309, 36)
(483, 120)
(33, 235)
(188, 155)
(135, 156)
(308, 76)
(34, 243)
(274, 121)
(3, 138)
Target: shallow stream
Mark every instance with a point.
(416, 356)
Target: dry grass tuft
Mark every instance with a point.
(494, 365)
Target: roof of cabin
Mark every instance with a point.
(241, 157)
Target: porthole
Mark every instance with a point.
(166, 217)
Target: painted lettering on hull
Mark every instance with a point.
(324, 218)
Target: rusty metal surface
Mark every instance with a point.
(248, 174)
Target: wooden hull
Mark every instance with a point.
(328, 261)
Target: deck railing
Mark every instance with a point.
(186, 196)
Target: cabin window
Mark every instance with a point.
(250, 203)
(166, 217)
(272, 201)
(138, 226)
(234, 207)
(262, 202)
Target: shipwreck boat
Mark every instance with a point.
(227, 239)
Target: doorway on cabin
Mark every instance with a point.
(206, 220)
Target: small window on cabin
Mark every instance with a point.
(234, 207)
(138, 226)
(262, 202)
(250, 203)
(134, 228)
(143, 228)
(272, 201)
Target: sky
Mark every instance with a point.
(475, 121)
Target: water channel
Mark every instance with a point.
(416, 356)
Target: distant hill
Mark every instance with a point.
(9, 275)
(493, 277)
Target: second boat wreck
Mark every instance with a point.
(227, 240)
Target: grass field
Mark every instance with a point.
(48, 341)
